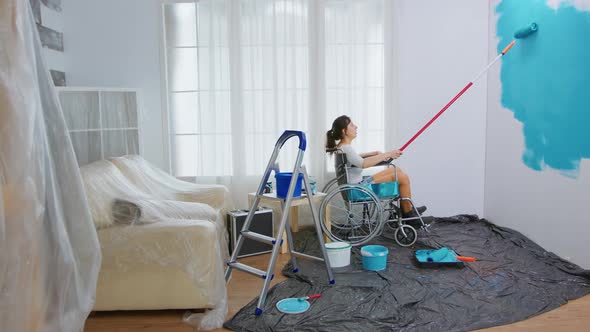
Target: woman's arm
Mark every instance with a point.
(374, 160)
(370, 154)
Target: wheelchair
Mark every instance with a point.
(356, 213)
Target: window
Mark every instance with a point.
(102, 123)
(198, 87)
(239, 73)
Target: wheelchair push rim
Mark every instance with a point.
(356, 220)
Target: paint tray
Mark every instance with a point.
(437, 258)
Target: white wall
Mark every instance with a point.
(442, 45)
(546, 206)
(113, 43)
(54, 20)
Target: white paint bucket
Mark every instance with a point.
(338, 253)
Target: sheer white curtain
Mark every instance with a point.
(241, 72)
(354, 51)
(198, 88)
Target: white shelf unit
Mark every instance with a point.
(102, 122)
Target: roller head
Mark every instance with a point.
(527, 31)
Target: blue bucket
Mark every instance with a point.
(374, 257)
(283, 181)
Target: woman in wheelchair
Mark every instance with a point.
(340, 137)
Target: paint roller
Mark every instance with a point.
(519, 34)
(526, 31)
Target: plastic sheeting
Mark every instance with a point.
(114, 198)
(512, 280)
(156, 182)
(148, 220)
(49, 252)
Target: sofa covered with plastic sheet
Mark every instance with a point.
(163, 241)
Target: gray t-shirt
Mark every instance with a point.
(354, 163)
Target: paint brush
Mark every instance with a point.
(305, 298)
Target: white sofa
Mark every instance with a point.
(172, 254)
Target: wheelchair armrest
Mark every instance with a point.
(385, 162)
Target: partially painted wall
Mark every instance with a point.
(537, 142)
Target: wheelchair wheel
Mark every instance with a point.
(330, 185)
(406, 235)
(354, 212)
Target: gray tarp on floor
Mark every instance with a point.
(512, 280)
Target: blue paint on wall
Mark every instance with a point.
(546, 81)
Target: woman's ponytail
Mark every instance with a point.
(335, 134)
(330, 141)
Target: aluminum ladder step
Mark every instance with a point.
(259, 237)
(248, 269)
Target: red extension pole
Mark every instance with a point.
(456, 97)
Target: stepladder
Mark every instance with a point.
(283, 226)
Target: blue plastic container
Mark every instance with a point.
(359, 196)
(374, 257)
(382, 190)
(283, 181)
(386, 189)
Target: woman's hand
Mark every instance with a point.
(394, 154)
(381, 157)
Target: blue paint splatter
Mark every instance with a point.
(546, 81)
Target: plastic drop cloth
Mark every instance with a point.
(512, 280)
(148, 220)
(49, 252)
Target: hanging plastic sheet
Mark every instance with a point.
(512, 279)
(49, 251)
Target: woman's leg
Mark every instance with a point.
(388, 175)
